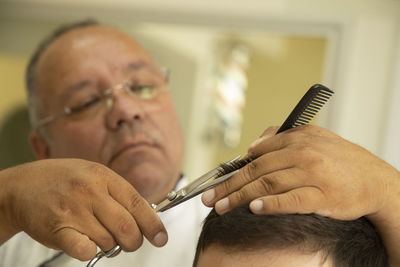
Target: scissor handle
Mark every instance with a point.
(108, 254)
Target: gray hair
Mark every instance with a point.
(35, 106)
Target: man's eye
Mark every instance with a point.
(85, 106)
(143, 91)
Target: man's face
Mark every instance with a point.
(216, 256)
(139, 139)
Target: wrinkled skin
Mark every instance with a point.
(65, 208)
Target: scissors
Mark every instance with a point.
(198, 186)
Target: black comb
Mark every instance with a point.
(308, 107)
(303, 113)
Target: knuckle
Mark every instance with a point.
(315, 162)
(126, 226)
(223, 188)
(316, 165)
(96, 168)
(266, 184)
(239, 197)
(305, 152)
(99, 170)
(81, 187)
(309, 156)
(135, 202)
(276, 203)
(289, 138)
(249, 170)
(295, 199)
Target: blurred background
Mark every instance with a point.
(237, 66)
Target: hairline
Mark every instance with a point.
(323, 254)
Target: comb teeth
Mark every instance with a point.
(308, 107)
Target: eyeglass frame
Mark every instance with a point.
(107, 94)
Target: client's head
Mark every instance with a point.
(240, 238)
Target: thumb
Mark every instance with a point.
(76, 244)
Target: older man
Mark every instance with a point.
(95, 94)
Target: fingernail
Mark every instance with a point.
(222, 205)
(256, 205)
(208, 196)
(160, 239)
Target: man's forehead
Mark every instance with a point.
(88, 46)
(87, 52)
(90, 41)
(86, 36)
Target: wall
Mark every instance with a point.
(12, 83)
(277, 81)
(391, 124)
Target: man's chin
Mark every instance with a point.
(147, 172)
(148, 180)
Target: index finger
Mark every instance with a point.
(146, 218)
(268, 143)
(262, 166)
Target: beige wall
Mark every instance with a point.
(11, 79)
(276, 83)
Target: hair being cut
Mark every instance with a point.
(346, 243)
(35, 107)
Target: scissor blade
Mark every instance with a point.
(194, 188)
(167, 204)
(212, 184)
(198, 191)
(205, 177)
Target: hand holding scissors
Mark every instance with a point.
(198, 186)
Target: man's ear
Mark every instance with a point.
(39, 145)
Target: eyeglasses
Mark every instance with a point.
(145, 89)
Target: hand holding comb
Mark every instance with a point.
(308, 106)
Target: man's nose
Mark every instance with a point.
(123, 109)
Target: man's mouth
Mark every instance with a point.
(131, 146)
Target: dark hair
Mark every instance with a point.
(347, 243)
(30, 78)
